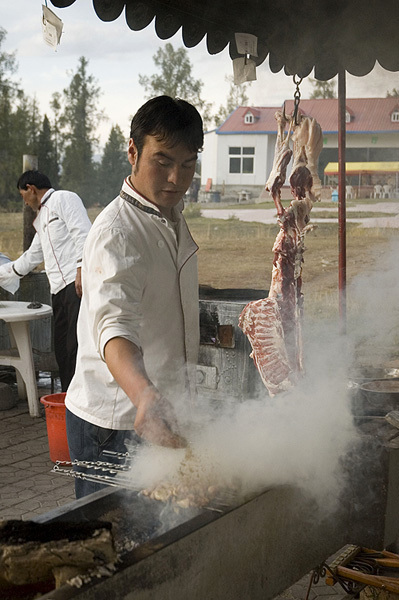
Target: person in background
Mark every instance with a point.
(138, 327)
(61, 225)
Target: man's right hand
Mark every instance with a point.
(156, 422)
(155, 419)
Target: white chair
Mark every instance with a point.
(386, 191)
(349, 191)
(378, 191)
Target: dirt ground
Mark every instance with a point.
(368, 240)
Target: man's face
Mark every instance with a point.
(162, 174)
(30, 196)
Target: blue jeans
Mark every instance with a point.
(87, 442)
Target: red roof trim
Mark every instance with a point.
(369, 115)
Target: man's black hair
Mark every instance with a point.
(41, 181)
(169, 120)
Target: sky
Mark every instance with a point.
(117, 55)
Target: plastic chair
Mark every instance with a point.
(349, 191)
(378, 191)
(386, 191)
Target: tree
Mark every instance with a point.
(176, 80)
(237, 97)
(27, 124)
(47, 153)
(56, 106)
(393, 94)
(323, 89)
(10, 94)
(114, 166)
(79, 119)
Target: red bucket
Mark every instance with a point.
(54, 405)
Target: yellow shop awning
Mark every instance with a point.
(364, 167)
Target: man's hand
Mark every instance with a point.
(155, 418)
(156, 422)
(78, 282)
(9, 280)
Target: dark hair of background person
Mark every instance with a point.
(35, 178)
(169, 120)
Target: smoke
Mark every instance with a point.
(306, 437)
(373, 322)
(296, 438)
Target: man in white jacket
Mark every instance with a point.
(61, 225)
(138, 327)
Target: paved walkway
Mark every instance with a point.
(268, 215)
(28, 488)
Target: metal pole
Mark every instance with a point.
(342, 198)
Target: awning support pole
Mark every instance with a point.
(342, 198)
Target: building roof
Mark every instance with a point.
(368, 115)
(264, 120)
(295, 36)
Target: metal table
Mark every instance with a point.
(17, 316)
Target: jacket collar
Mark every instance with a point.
(129, 194)
(46, 197)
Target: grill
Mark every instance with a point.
(252, 547)
(253, 550)
(226, 372)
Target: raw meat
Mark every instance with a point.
(273, 324)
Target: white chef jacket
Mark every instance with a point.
(140, 282)
(62, 225)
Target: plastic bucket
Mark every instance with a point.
(54, 405)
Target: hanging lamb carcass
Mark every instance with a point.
(273, 324)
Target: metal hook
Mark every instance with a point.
(284, 115)
(297, 97)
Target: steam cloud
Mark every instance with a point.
(299, 438)
(374, 326)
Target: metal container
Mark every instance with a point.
(379, 396)
(226, 372)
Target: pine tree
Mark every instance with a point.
(56, 107)
(114, 166)
(10, 159)
(26, 127)
(47, 154)
(79, 119)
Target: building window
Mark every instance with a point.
(395, 116)
(348, 117)
(248, 119)
(241, 159)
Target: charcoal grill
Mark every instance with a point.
(253, 548)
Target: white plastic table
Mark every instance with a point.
(17, 316)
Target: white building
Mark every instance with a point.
(238, 155)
